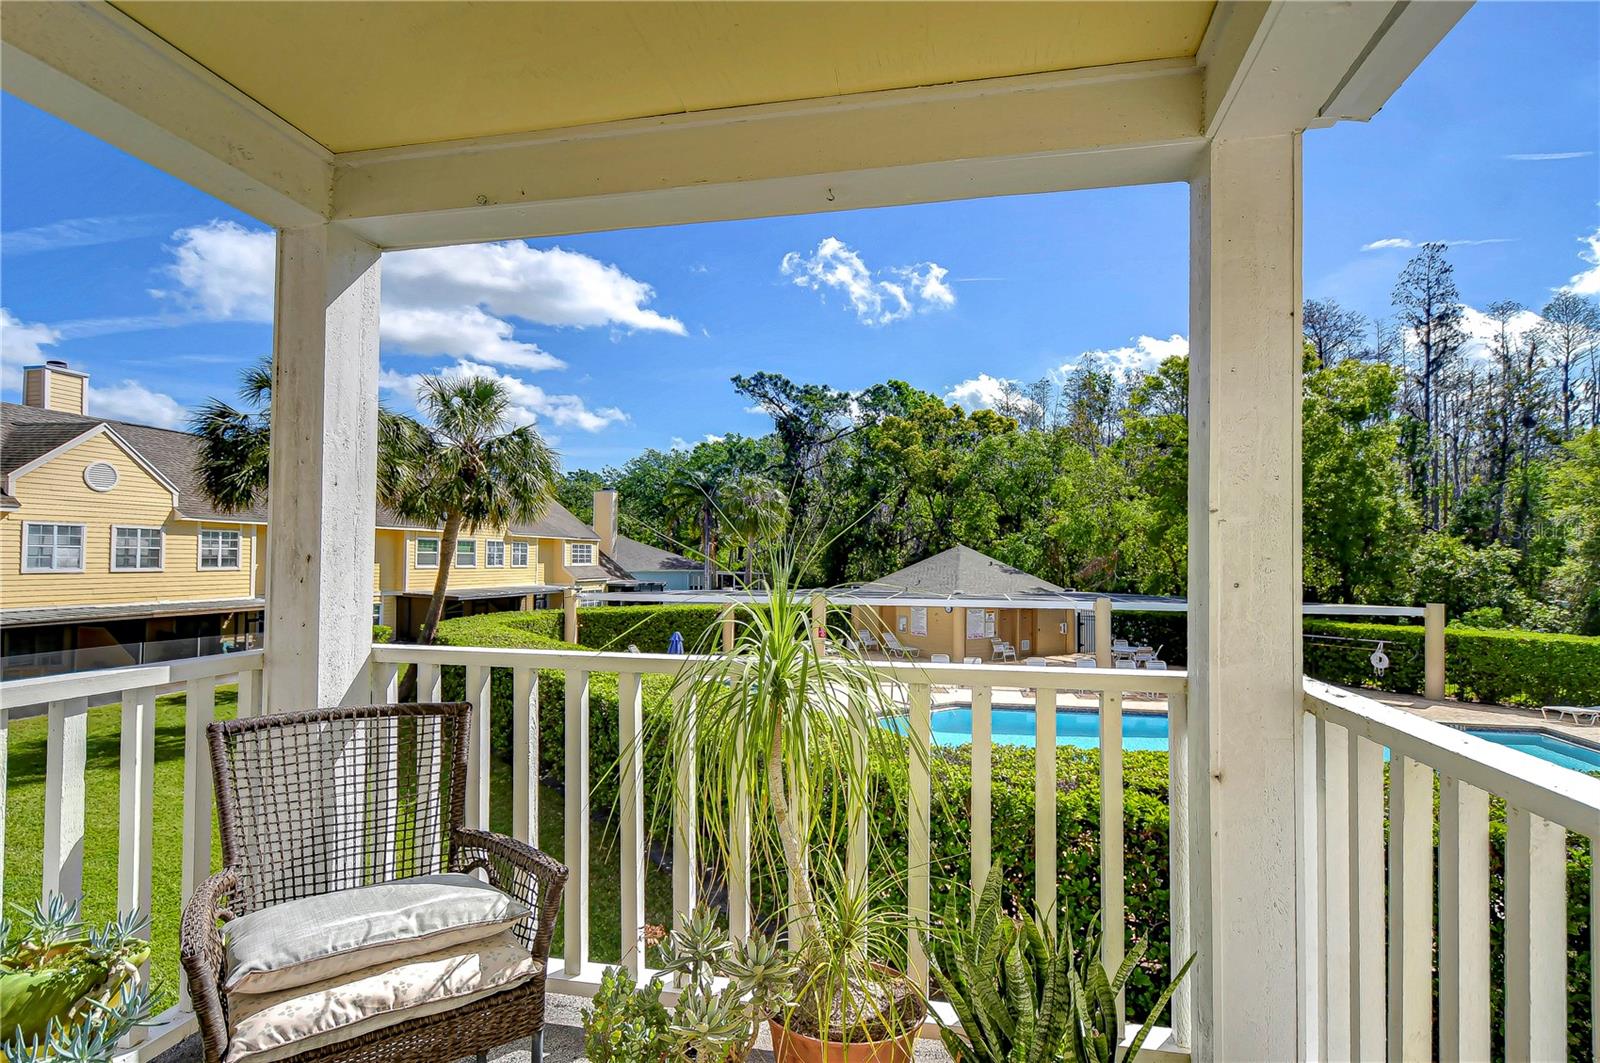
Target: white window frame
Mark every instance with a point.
(161, 546)
(490, 553)
(471, 547)
(572, 553)
(519, 549)
(83, 545)
(434, 539)
(200, 551)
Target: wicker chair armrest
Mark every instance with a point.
(522, 871)
(203, 952)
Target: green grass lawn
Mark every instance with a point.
(24, 837)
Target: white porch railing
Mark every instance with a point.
(1363, 1004)
(576, 973)
(137, 687)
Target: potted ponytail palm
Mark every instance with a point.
(787, 730)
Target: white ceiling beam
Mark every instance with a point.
(93, 66)
(1288, 65)
(1129, 124)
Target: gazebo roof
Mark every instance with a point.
(960, 572)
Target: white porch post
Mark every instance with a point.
(323, 481)
(1244, 598)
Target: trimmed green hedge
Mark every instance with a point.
(1512, 667)
(616, 627)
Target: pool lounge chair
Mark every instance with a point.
(894, 648)
(1585, 714)
(869, 641)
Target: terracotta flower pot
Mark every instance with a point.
(790, 1047)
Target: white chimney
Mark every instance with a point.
(605, 519)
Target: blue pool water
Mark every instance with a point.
(1079, 727)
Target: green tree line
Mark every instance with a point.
(1434, 469)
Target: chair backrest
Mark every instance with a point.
(1121, 644)
(1123, 662)
(868, 639)
(891, 641)
(312, 802)
(1038, 662)
(1155, 665)
(939, 658)
(1086, 662)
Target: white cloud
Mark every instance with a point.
(1588, 281)
(447, 301)
(1549, 156)
(1143, 354)
(1481, 329)
(982, 391)
(21, 343)
(78, 232)
(223, 271)
(875, 299)
(530, 404)
(132, 401)
(1390, 243)
(461, 332)
(547, 286)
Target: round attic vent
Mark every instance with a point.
(100, 476)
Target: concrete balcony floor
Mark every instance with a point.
(563, 1040)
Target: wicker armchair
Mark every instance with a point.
(310, 803)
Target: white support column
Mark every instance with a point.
(1244, 599)
(323, 481)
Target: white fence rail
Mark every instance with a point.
(66, 753)
(576, 973)
(1369, 1003)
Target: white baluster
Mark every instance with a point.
(1335, 930)
(247, 702)
(525, 755)
(685, 807)
(1368, 991)
(1113, 919)
(66, 750)
(480, 695)
(1410, 909)
(576, 901)
(919, 826)
(1536, 938)
(982, 785)
(1463, 921)
(136, 815)
(630, 732)
(385, 682)
(1178, 856)
(200, 703)
(1045, 890)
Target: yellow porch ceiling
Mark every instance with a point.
(355, 76)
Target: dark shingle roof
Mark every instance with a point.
(637, 557)
(173, 453)
(26, 432)
(963, 572)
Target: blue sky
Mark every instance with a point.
(620, 341)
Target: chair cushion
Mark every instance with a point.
(315, 938)
(268, 1026)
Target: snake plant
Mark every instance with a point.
(67, 994)
(1024, 993)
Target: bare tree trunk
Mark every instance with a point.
(447, 556)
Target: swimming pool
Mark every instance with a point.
(1081, 727)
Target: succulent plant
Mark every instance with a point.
(66, 994)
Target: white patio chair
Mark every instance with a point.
(1154, 665)
(1121, 646)
(939, 658)
(1127, 663)
(1085, 662)
(894, 647)
(1003, 650)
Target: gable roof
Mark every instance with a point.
(637, 557)
(28, 433)
(960, 572)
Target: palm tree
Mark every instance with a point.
(465, 469)
(462, 470)
(755, 510)
(692, 496)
